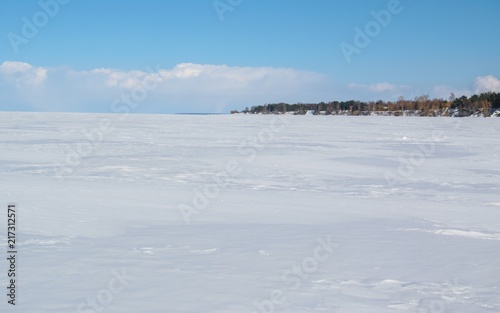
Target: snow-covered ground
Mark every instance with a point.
(238, 213)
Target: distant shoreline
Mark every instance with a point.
(480, 105)
(415, 113)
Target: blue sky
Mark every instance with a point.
(213, 56)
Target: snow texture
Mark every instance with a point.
(238, 213)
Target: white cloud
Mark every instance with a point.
(9, 67)
(487, 84)
(22, 73)
(185, 87)
(482, 84)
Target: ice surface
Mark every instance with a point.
(291, 213)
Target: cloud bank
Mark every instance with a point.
(187, 87)
(487, 83)
(190, 87)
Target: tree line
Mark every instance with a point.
(478, 104)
